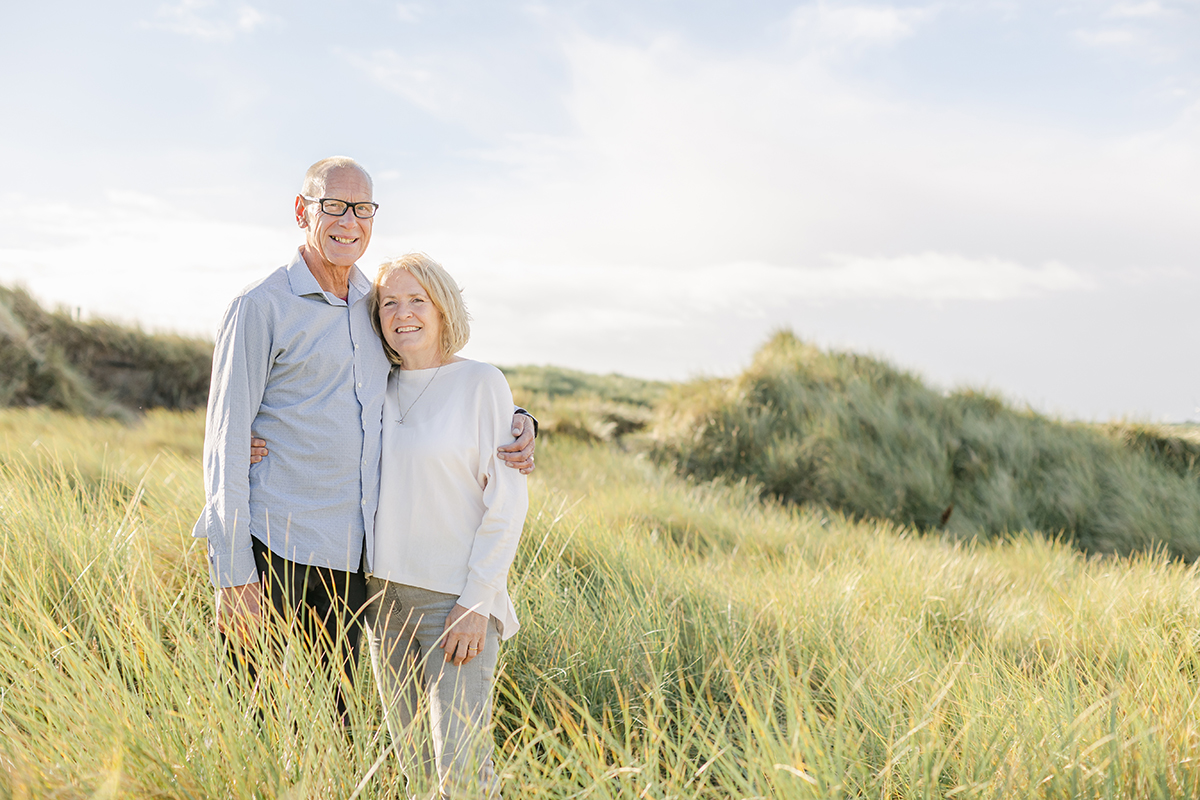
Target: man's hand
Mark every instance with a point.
(239, 611)
(519, 454)
(463, 635)
(258, 449)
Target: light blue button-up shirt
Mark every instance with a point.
(303, 369)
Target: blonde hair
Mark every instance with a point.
(442, 290)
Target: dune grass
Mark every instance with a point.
(857, 434)
(97, 367)
(679, 640)
(579, 405)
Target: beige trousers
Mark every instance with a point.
(427, 700)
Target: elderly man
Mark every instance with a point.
(297, 363)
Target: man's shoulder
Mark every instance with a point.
(268, 286)
(266, 301)
(268, 296)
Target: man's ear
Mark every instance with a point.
(301, 212)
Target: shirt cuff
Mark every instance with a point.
(519, 410)
(232, 569)
(478, 597)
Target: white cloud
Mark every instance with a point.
(827, 27)
(1109, 37)
(403, 76)
(208, 19)
(936, 276)
(1154, 31)
(1142, 10)
(409, 12)
(682, 159)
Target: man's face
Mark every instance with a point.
(337, 241)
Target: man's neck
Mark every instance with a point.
(330, 277)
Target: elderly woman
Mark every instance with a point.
(449, 519)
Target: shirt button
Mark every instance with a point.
(360, 384)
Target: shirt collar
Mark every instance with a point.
(360, 284)
(302, 282)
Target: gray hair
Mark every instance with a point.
(314, 179)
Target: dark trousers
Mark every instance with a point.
(318, 606)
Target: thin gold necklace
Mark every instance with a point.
(404, 414)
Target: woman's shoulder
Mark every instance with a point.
(480, 369)
(483, 374)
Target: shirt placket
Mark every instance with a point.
(362, 387)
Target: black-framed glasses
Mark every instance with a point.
(337, 208)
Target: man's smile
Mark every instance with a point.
(343, 239)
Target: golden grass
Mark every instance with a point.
(679, 640)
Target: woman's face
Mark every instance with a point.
(410, 321)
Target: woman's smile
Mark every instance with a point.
(411, 323)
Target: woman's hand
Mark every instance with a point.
(258, 449)
(463, 635)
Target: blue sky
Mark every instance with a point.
(994, 194)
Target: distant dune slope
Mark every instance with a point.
(859, 435)
(96, 367)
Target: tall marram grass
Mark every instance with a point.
(857, 434)
(679, 640)
(594, 408)
(50, 358)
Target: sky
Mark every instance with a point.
(1000, 194)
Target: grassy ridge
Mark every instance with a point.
(859, 435)
(96, 367)
(679, 640)
(594, 408)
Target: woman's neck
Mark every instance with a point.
(431, 362)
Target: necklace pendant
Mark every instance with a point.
(404, 412)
